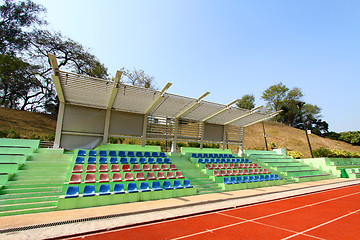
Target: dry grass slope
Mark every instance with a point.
(292, 139)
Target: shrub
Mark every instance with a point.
(4, 134)
(116, 140)
(13, 134)
(131, 142)
(181, 144)
(194, 144)
(322, 152)
(34, 136)
(295, 154)
(211, 145)
(272, 145)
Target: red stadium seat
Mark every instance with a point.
(77, 169)
(216, 173)
(136, 168)
(125, 168)
(75, 179)
(104, 177)
(90, 178)
(146, 167)
(91, 168)
(103, 168)
(116, 177)
(115, 168)
(155, 167)
(128, 177)
(160, 176)
(140, 176)
(150, 176)
(178, 174)
(172, 167)
(164, 167)
(170, 175)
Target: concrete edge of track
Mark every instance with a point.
(59, 229)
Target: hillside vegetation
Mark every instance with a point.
(292, 139)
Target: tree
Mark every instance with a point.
(17, 19)
(138, 78)
(246, 102)
(274, 96)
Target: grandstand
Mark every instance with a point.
(84, 171)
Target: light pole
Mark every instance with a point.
(265, 136)
(299, 105)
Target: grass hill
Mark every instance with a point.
(292, 139)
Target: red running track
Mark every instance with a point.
(332, 214)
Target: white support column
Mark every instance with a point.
(224, 138)
(174, 143)
(109, 106)
(143, 139)
(59, 124)
(107, 126)
(202, 128)
(241, 147)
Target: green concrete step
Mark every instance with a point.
(27, 211)
(27, 199)
(4, 190)
(30, 195)
(10, 207)
(36, 181)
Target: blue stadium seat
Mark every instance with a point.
(167, 185)
(216, 155)
(112, 154)
(256, 178)
(139, 154)
(104, 189)
(119, 188)
(151, 161)
(212, 160)
(239, 179)
(245, 179)
(271, 177)
(131, 154)
(147, 154)
(177, 185)
(220, 155)
(155, 186)
(247, 160)
(211, 155)
(276, 177)
(267, 178)
(194, 155)
(207, 160)
(242, 160)
(262, 178)
(122, 154)
(91, 160)
(251, 178)
(72, 192)
(205, 155)
(186, 184)
(144, 187)
(81, 153)
(132, 188)
(103, 160)
(225, 155)
(103, 153)
(167, 160)
(89, 190)
(200, 155)
(218, 160)
(133, 160)
(92, 153)
(79, 160)
(233, 180)
(200, 160)
(123, 160)
(113, 160)
(142, 160)
(162, 154)
(159, 161)
(226, 180)
(155, 154)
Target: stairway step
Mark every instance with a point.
(30, 195)
(35, 182)
(28, 200)
(26, 190)
(39, 185)
(10, 207)
(27, 211)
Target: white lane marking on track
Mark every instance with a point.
(270, 215)
(320, 225)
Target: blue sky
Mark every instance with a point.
(229, 48)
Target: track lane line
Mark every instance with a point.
(270, 215)
(323, 224)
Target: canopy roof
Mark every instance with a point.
(99, 93)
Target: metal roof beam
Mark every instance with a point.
(55, 67)
(227, 107)
(263, 119)
(193, 105)
(114, 90)
(252, 111)
(158, 99)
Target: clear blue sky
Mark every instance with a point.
(229, 48)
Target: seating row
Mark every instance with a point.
(231, 166)
(117, 177)
(223, 160)
(212, 155)
(124, 168)
(104, 189)
(240, 172)
(112, 153)
(123, 160)
(245, 179)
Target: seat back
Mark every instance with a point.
(77, 169)
(113, 160)
(102, 153)
(155, 186)
(72, 192)
(79, 160)
(91, 168)
(104, 177)
(103, 160)
(104, 189)
(91, 160)
(167, 185)
(75, 179)
(90, 178)
(81, 153)
(103, 168)
(92, 153)
(116, 177)
(119, 188)
(132, 188)
(89, 190)
(144, 187)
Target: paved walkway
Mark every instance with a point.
(70, 222)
